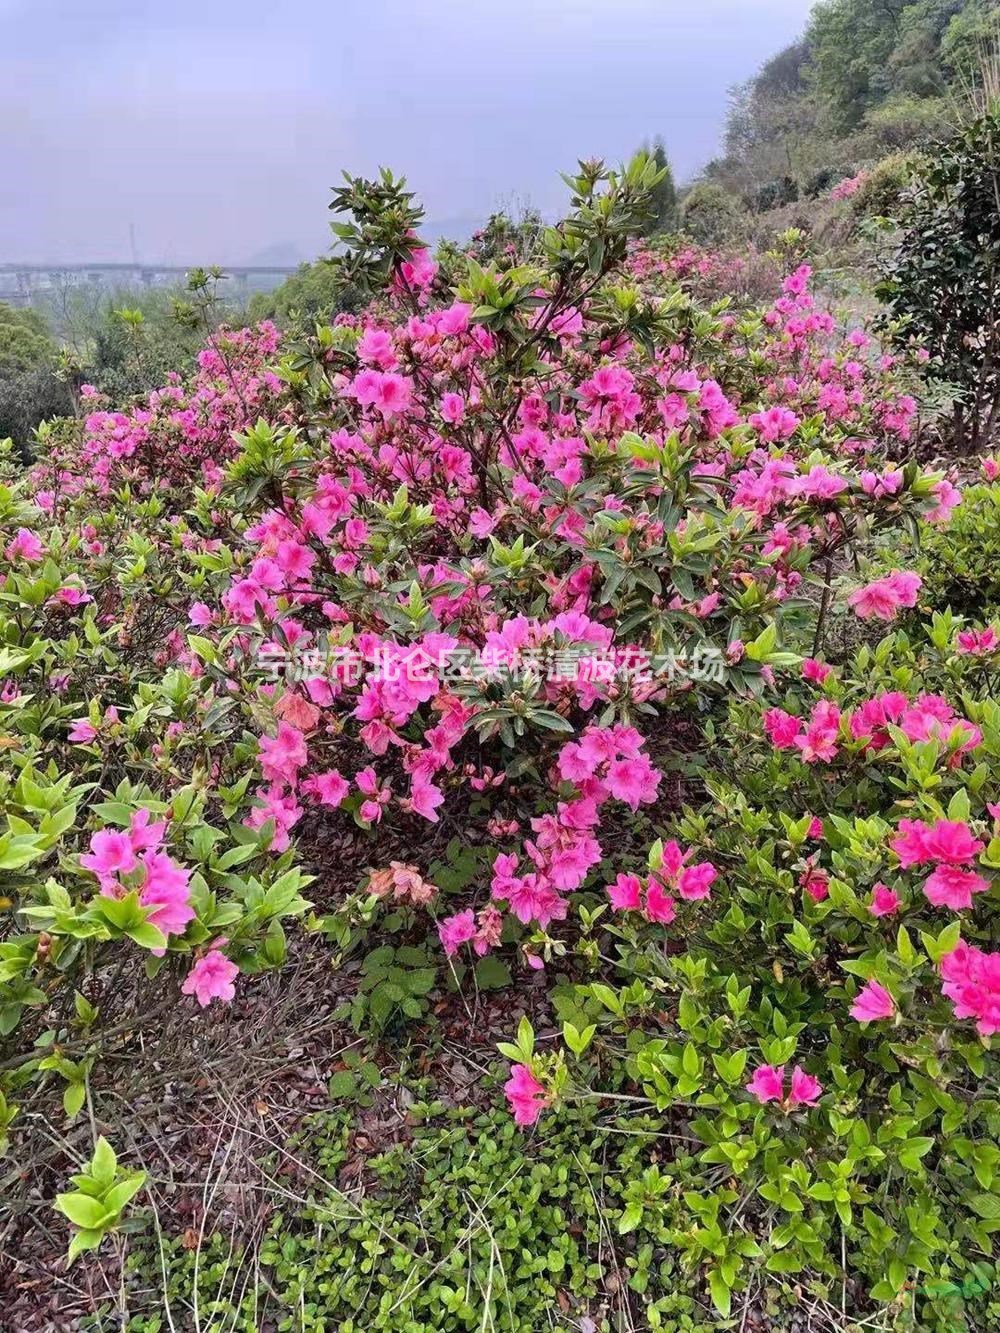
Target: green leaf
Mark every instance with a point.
(82, 1210)
(721, 1295)
(104, 1163)
(492, 973)
(342, 1084)
(74, 1095)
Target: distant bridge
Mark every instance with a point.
(18, 282)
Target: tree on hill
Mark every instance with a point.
(664, 195)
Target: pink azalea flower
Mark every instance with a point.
(873, 1003)
(624, 893)
(885, 901)
(82, 732)
(818, 743)
(695, 881)
(659, 904)
(211, 978)
(977, 640)
(453, 408)
(971, 980)
(166, 892)
(804, 1090)
(111, 853)
(25, 545)
(457, 930)
(327, 788)
(767, 1083)
(883, 598)
(948, 886)
(782, 728)
(815, 671)
(526, 1095)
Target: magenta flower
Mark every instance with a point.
(885, 901)
(949, 886)
(804, 1090)
(872, 1004)
(767, 1083)
(457, 930)
(526, 1095)
(659, 904)
(883, 598)
(624, 893)
(211, 978)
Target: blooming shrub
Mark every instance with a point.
(453, 574)
(849, 929)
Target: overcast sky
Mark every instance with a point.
(217, 127)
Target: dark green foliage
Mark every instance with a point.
(135, 340)
(868, 77)
(882, 191)
(28, 398)
(775, 193)
(30, 388)
(24, 341)
(942, 286)
(708, 212)
(664, 194)
(313, 295)
(471, 1224)
(960, 563)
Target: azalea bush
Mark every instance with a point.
(818, 1009)
(472, 581)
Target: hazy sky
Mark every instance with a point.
(217, 127)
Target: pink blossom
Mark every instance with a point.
(767, 1083)
(659, 904)
(453, 408)
(884, 901)
(804, 1089)
(526, 1095)
(782, 728)
(624, 893)
(947, 840)
(327, 788)
(111, 853)
(977, 640)
(166, 893)
(873, 1003)
(971, 980)
(457, 930)
(948, 886)
(282, 755)
(82, 732)
(25, 545)
(883, 598)
(816, 883)
(695, 881)
(211, 978)
(819, 740)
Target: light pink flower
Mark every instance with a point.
(457, 930)
(111, 853)
(211, 978)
